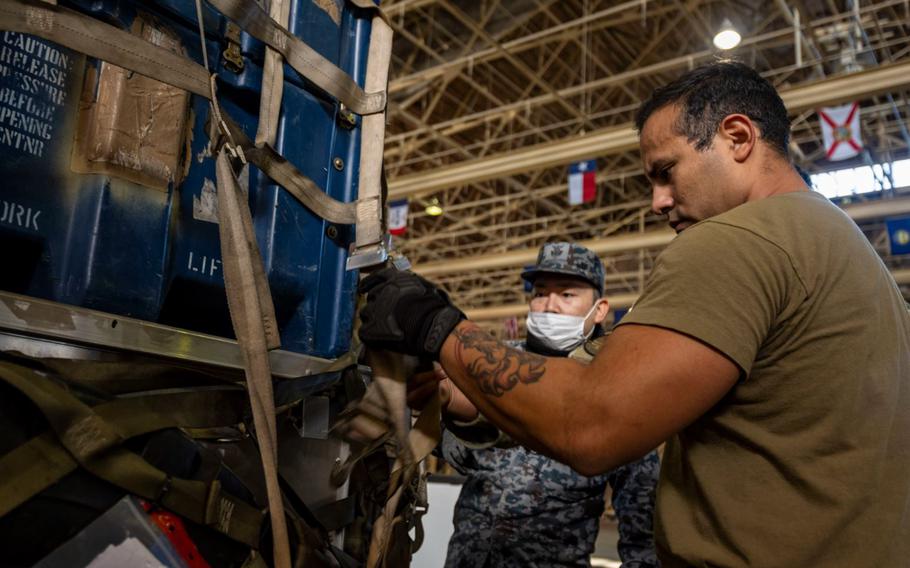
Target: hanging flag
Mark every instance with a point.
(398, 216)
(898, 235)
(582, 184)
(840, 131)
(510, 328)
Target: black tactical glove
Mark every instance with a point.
(406, 313)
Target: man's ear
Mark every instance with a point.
(600, 312)
(740, 134)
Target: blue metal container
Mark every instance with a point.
(105, 241)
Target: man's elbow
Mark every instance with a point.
(587, 457)
(595, 455)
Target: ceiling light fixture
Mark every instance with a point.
(727, 37)
(434, 209)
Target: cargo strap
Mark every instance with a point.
(372, 140)
(94, 38)
(87, 35)
(272, 80)
(304, 59)
(95, 444)
(42, 461)
(264, 157)
(390, 533)
(253, 320)
(382, 414)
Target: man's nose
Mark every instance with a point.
(661, 200)
(552, 303)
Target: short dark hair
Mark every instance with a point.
(709, 93)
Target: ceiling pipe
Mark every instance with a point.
(635, 241)
(604, 142)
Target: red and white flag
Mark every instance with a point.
(582, 182)
(398, 216)
(840, 131)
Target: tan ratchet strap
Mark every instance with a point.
(250, 304)
(264, 157)
(379, 415)
(272, 80)
(304, 59)
(372, 141)
(95, 38)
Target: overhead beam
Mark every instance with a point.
(483, 55)
(600, 143)
(618, 301)
(609, 245)
(623, 243)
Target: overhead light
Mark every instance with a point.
(434, 209)
(727, 37)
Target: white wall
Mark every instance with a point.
(437, 524)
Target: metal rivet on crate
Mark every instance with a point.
(338, 163)
(331, 231)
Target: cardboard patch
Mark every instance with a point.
(130, 126)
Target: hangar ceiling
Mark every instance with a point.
(490, 100)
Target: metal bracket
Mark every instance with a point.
(371, 255)
(314, 418)
(346, 118)
(233, 57)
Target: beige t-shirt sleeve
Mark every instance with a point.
(721, 284)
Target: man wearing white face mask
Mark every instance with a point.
(518, 507)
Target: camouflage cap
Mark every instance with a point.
(571, 259)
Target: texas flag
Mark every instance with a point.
(398, 216)
(840, 131)
(582, 186)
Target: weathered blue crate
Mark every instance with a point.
(100, 241)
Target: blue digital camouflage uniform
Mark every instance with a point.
(521, 508)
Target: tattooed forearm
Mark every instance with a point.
(495, 367)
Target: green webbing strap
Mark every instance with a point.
(42, 461)
(96, 446)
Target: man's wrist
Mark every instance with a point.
(460, 408)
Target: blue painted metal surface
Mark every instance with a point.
(105, 243)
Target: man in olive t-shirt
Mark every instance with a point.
(805, 461)
(770, 348)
